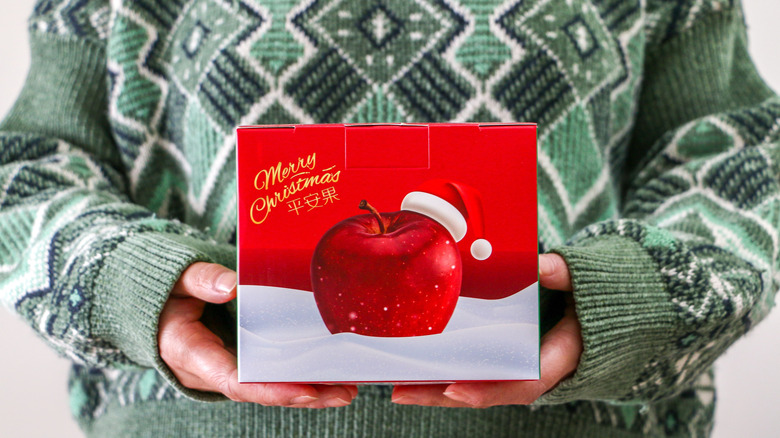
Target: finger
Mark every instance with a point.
(561, 349)
(179, 311)
(209, 282)
(330, 396)
(471, 395)
(353, 390)
(487, 394)
(425, 395)
(554, 272)
(178, 336)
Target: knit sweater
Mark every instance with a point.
(658, 155)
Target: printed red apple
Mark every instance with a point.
(390, 275)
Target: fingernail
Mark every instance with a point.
(403, 400)
(457, 396)
(303, 400)
(336, 402)
(226, 282)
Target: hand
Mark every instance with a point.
(560, 352)
(200, 359)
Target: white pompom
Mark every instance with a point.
(481, 249)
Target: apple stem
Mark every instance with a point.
(364, 205)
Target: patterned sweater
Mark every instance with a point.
(659, 150)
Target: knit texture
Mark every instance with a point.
(659, 150)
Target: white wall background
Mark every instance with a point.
(33, 400)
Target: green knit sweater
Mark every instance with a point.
(659, 150)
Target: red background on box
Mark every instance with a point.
(386, 163)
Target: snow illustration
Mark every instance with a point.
(283, 336)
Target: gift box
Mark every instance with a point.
(387, 253)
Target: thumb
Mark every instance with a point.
(209, 282)
(554, 273)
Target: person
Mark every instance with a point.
(657, 183)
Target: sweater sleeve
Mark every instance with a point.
(87, 268)
(691, 264)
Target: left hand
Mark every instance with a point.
(200, 359)
(559, 354)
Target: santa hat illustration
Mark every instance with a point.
(456, 206)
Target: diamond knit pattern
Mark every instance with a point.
(657, 182)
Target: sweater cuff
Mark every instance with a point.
(133, 286)
(624, 310)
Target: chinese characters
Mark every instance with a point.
(313, 200)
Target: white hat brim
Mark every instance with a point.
(437, 209)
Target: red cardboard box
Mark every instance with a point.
(387, 253)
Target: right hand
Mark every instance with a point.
(200, 360)
(559, 356)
